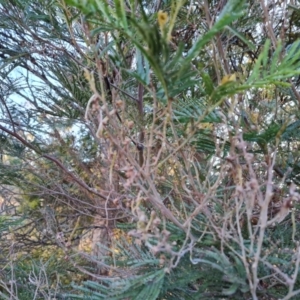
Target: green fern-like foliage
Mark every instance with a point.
(207, 275)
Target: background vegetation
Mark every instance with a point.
(149, 149)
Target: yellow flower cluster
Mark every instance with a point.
(162, 18)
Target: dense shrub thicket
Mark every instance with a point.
(149, 149)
